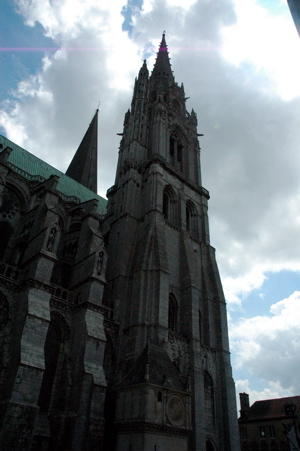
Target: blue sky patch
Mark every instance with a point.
(276, 287)
(21, 48)
(132, 7)
(273, 5)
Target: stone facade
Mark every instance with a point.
(113, 321)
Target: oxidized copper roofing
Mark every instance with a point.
(33, 168)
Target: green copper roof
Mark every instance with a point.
(33, 168)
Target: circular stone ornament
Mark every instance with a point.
(176, 411)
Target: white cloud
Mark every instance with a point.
(250, 147)
(185, 5)
(237, 86)
(269, 346)
(67, 19)
(97, 62)
(269, 41)
(238, 288)
(273, 390)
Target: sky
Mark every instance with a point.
(240, 65)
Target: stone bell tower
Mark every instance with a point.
(170, 374)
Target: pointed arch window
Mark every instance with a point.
(191, 219)
(20, 253)
(166, 204)
(5, 341)
(65, 275)
(11, 208)
(52, 347)
(108, 359)
(170, 205)
(172, 145)
(209, 400)
(173, 313)
(6, 231)
(56, 363)
(176, 150)
(200, 327)
(209, 446)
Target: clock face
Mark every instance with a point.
(175, 411)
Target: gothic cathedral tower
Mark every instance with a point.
(170, 375)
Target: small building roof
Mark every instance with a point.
(272, 408)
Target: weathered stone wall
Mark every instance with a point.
(52, 336)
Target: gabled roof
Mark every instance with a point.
(83, 167)
(33, 168)
(272, 408)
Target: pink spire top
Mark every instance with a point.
(163, 46)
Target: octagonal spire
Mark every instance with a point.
(83, 167)
(162, 67)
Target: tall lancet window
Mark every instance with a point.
(200, 327)
(191, 219)
(57, 374)
(176, 151)
(170, 205)
(173, 313)
(6, 231)
(5, 340)
(209, 400)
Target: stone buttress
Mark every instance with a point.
(52, 337)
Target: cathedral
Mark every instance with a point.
(113, 327)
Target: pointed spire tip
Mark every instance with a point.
(162, 66)
(83, 167)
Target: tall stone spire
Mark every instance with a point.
(162, 67)
(174, 389)
(83, 167)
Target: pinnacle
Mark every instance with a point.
(163, 45)
(144, 69)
